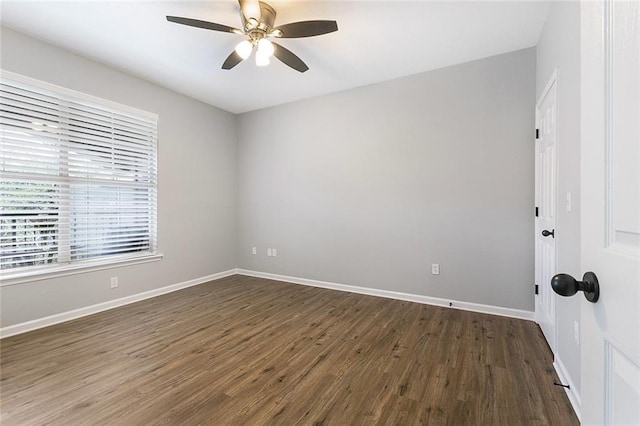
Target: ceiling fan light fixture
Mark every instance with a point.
(265, 48)
(244, 49)
(261, 60)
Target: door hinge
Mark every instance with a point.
(536, 289)
(537, 133)
(536, 212)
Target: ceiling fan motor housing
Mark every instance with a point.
(266, 22)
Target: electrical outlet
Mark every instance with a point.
(114, 282)
(576, 332)
(435, 269)
(254, 250)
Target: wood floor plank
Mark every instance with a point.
(244, 350)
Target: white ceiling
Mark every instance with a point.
(377, 41)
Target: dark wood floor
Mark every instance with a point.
(251, 351)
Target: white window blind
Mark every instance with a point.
(78, 177)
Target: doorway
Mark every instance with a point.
(545, 197)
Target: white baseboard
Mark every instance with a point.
(24, 327)
(466, 306)
(12, 330)
(565, 379)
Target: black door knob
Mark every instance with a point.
(566, 285)
(546, 233)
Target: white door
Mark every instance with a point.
(610, 150)
(545, 263)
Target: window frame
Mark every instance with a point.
(47, 271)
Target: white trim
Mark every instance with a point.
(24, 327)
(553, 79)
(12, 330)
(83, 267)
(572, 392)
(417, 298)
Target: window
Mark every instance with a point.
(78, 178)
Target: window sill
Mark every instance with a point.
(57, 271)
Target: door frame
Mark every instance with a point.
(553, 79)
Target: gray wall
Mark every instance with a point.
(559, 47)
(196, 190)
(366, 187)
(370, 186)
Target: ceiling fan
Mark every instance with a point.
(258, 20)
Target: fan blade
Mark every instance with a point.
(289, 58)
(231, 61)
(203, 24)
(250, 9)
(306, 29)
